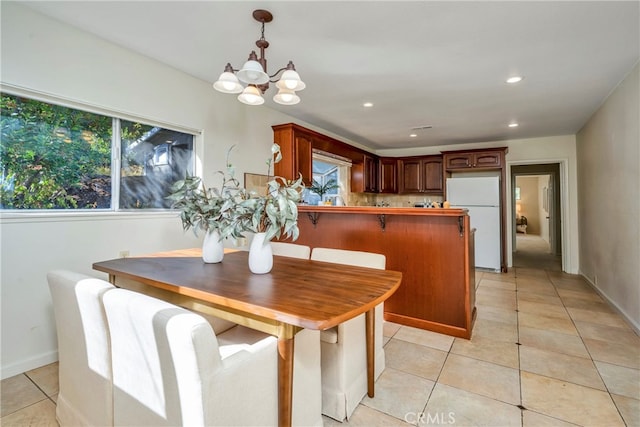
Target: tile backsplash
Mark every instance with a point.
(393, 200)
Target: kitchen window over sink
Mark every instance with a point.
(328, 168)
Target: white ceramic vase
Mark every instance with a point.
(212, 247)
(260, 255)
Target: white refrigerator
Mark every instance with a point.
(481, 196)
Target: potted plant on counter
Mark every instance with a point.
(322, 189)
(212, 210)
(271, 215)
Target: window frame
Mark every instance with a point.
(343, 166)
(116, 163)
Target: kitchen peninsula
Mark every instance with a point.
(433, 248)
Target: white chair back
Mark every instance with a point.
(343, 348)
(170, 369)
(346, 257)
(162, 356)
(291, 250)
(85, 396)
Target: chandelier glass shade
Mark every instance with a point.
(255, 77)
(286, 97)
(251, 96)
(253, 73)
(228, 82)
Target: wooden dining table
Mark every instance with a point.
(295, 295)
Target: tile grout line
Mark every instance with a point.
(3, 415)
(588, 352)
(518, 345)
(593, 361)
(39, 388)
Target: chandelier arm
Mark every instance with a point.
(275, 74)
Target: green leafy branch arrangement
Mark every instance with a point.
(276, 212)
(209, 209)
(232, 210)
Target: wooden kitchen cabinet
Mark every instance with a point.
(432, 175)
(296, 146)
(364, 174)
(387, 175)
(370, 174)
(420, 175)
(475, 159)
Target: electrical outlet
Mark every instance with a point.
(124, 254)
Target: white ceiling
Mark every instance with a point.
(441, 64)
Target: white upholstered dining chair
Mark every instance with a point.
(85, 396)
(343, 348)
(291, 250)
(170, 369)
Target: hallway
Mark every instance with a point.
(532, 251)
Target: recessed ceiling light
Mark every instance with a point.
(514, 79)
(413, 135)
(513, 125)
(367, 104)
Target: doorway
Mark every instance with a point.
(536, 212)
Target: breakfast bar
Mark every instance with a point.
(432, 247)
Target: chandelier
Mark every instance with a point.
(254, 74)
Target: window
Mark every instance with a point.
(152, 159)
(329, 170)
(55, 157)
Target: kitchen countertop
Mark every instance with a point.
(377, 210)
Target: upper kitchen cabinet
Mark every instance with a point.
(387, 175)
(371, 174)
(474, 159)
(364, 174)
(420, 175)
(296, 146)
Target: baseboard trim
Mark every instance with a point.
(25, 365)
(635, 326)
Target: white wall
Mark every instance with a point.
(609, 193)
(48, 58)
(543, 183)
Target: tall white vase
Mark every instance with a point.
(212, 247)
(260, 255)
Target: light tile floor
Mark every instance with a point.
(546, 351)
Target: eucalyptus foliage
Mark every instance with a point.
(276, 212)
(209, 209)
(232, 210)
